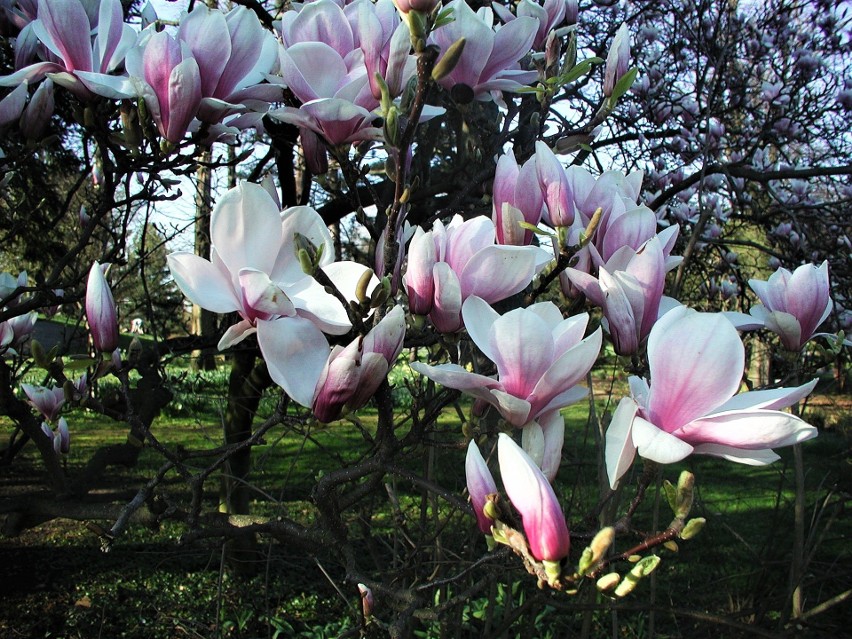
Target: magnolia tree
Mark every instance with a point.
(520, 184)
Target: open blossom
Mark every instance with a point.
(480, 484)
(549, 16)
(61, 437)
(234, 52)
(75, 60)
(489, 63)
(628, 289)
(352, 374)
(533, 497)
(696, 362)
(100, 311)
(540, 359)
(47, 401)
(255, 270)
(794, 304)
(449, 264)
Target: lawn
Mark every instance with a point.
(730, 581)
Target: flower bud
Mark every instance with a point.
(533, 497)
(448, 62)
(100, 311)
(367, 600)
(480, 484)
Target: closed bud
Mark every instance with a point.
(448, 62)
(367, 600)
(100, 311)
(391, 128)
(608, 582)
(37, 351)
(692, 528)
(362, 285)
(643, 568)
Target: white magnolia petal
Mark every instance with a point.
(203, 283)
(236, 334)
(620, 449)
(658, 445)
(295, 352)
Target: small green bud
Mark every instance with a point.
(391, 126)
(671, 495)
(608, 582)
(362, 285)
(305, 261)
(643, 568)
(38, 353)
(447, 63)
(692, 528)
(671, 545)
(685, 493)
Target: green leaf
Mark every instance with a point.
(623, 85)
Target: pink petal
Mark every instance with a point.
(750, 429)
(522, 348)
(696, 361)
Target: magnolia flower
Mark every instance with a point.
(696, 362)
(555, 188)
(533, 497)
(77, 61)
(165, 73)
(617, 60)
(47, 401)
(100, 311)
(489, 63)
(628, 290)
(254, 269)
(540, 359)
(794, 304)
(234, 52)
(549, 16)
(449, 264)
(352, 374)
(480, 484)
(60, 438)
(517, 199)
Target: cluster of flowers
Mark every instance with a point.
(223, 72)
(277, 270)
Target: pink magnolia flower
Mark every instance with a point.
(47, 401)
(628, 289)
(549, 16)
(696, 362)
(617, 60)
(540, 359)
(480, 484)
(74, 58)
(254, 270)
(555, 187)
(165, 73)
(533, 497)
(234, 52)
(794, 304)
(100, 311)
(352, 374)
(60, 438)
(517, 199)
(449, 264)
(489, 63)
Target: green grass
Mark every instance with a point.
(57, 583)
